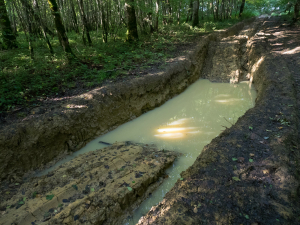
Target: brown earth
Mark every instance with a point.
(52, 132)
(250, 173)
(100, 187)
(247, 175)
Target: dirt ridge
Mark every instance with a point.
(48, 136)
(250, 173)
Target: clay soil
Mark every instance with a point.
(250, 173)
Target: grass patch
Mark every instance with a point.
(24, 81)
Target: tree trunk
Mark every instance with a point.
(132, 33)
(157, 16)
(217, 10)
(9, 38)
(196, 13)
(85, 23)
(190, 14)
(202, 12)
(76, 28)
(61, 32)
(296, 10)
(242, 8)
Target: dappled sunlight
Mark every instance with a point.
(176, 132)
(72, 106)
(293, 51)
(229, 101)
(180, 121)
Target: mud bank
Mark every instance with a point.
(250, 173)
(71, 123)
(99, 187)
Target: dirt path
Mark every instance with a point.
(250, 173)
(100, 187)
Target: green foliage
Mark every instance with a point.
(49, 197)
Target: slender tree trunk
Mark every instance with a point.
(132, 33)
(190, 10)
(85, 23)
(196, 13)
(242, 8)
(202, 12)
(213, 9)
(217, 10)
(61, 32)
(9, 38)
(296, 10)
(179, 12)
(74, 17)
(157, 15)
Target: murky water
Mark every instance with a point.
(186, 124)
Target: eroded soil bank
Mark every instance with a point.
(49, 134)
(99, 187)
(250, 173)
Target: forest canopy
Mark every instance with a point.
(48, 47)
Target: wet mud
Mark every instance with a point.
(247, 175)
(99, 187)
(250, 173)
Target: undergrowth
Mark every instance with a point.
(25, 81)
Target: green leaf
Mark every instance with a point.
(92, 189)
(16, 183)
(24, 199)
(21, 203)
(34, 194)
(181, 178)
(234, 159)
(236, 178)
(133, 181)
(7, 207)
(251, 160)
(8, 192)
(49, 197)
(250, 128)
(129, 188)
(277, 220)
(247, 217)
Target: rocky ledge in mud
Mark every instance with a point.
(250, 173)
(99, 187)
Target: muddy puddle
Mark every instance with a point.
(185, 124)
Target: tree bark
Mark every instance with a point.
(196, 13)
(190, 14)
(74, 17)
(157, 15)
(61, 32)
(85, 23)
(296, 10)
(9, 39)
(132, 33)
(242, 8)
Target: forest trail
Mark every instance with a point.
(250, 173)
(247, 175)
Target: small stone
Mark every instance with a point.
(251, 155)
(240, 160)
(195, 209)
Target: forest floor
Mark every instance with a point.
(250, 173)
(26, 84)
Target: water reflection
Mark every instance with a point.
(186, 124)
